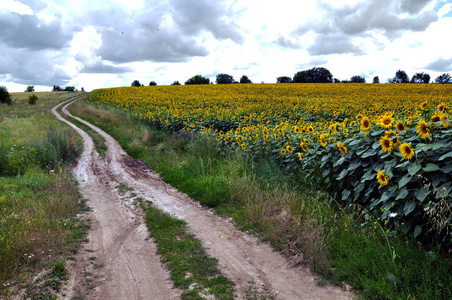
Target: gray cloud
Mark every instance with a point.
(440, 65)
(287, 43)
(27, 32)
(413, 6)
(100, 67)
(333, 44)
(212, 16)
(32, 67)
(315, 62)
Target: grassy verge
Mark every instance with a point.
(40, 225)
(302, 223)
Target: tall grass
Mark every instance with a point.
(305, 224)
(39, 201)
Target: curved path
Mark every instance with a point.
(118, 238)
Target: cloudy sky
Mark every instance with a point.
(109, 43)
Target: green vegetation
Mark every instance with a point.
(303, 223)
(39, 200)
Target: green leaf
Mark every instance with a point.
(402, 164)
(417, 230)
(354, 142)
(339, 162)
(402, 194)
(446, 156)
(345, 194)
(369, 153)
(409, 207)
(404, 180)
(355, 164)
(343, 174)
(430, 167)
(422, 193)
(413, 169)
(447, 169)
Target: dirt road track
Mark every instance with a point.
(118, 237)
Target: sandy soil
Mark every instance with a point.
(119, 240)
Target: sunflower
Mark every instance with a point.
(365, 124)
(386, 144)
(310, 129)
(323, 141)
(422, 129)
(342, 148)
(423, 105)
(406, 151)
(443, 118)
(382, 178)
(289, 149)
(441, 106)
(239, 139)
(243, 145)
(359, 117)
(283, 151)
(435, 118)
(386, 121)
(400, 126)
(304, 147)
(299, 156)
(395, 141)
(390, 134)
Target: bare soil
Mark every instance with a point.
(120, 260)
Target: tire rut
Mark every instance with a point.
(242, 257)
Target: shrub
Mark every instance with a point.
(32, 99)
(5, 97)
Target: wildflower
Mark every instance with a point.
(423, 130)
(382, 178)
(406, 151)
(435, 118)
(441, 106)
(423, 105)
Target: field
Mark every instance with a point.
(385, 149)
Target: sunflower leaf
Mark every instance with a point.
(413, 169)
(430, 167)
(402, 194)
(422, 193)
(417, 230)
(446, 156)
(409, 207)
(404, 180)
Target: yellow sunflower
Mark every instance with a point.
(386, 121)
(386, 144)
(435, 118)
(365, 124)
(323, 141)
(359, 117)
(289, 149)
(283, 151)
(243, 145)
(400, 126)
(422, 129)
(382, 178)
(342, 148)
(423, 105)
(299, 156)
(406, 151)
(441, 106)
(443, 118)
(304, 147)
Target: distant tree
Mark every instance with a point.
(314, 75)
(69, 89)
(224, 79)
(357, 79)
(198, 79)
(83, 89)
(283, 79)
(136, 83)
(444, 78)
(400, 77)
(152, 83)
(5, 96)
(57, 88)
(376, 80)
(336, 80)
(175, 83)
(245, 79)
(420, 78)
(30, 89)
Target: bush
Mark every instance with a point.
(32, 99)
(5, 97)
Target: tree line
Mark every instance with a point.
(314, 75)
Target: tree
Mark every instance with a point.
(152, 83)
(283, 79)
(444, 78)
(5, 97)
(136, 83)
(57, 88)
(198, 79)
(420, 78)
(224, 79)
(30, 89)
(400, 77)
(336, 80)
(245, 79)
(69, 89)
(314, 75)
(175, 83)
(83, 89)
(357, 79)
(376, 80)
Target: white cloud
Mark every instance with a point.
(16, 7)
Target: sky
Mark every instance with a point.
(110, 43)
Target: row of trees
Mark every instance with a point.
(316, 75)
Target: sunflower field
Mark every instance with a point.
(385, 148)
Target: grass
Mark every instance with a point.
(301, 222)
(39, 200)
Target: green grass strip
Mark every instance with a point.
(191, 268)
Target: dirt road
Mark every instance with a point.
(120, 262)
